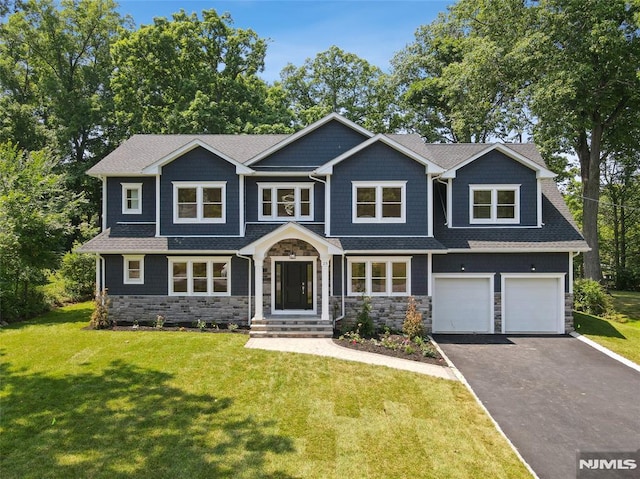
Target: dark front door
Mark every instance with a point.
(294, 285)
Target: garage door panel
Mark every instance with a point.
(533, 305)
(462, 305)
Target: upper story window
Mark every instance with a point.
(285, 201)
(379, 276)
(494, 204)
(131, 198)
(379, 201)
(199, 276)
(195, 202)
(133, 269)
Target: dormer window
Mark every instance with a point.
(490, 204)
(131, 198)
(285, 201)
(379, 201)
(198, 202)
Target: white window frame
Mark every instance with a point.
(494, 204)
(378, 185)
(274, 187)
(126, 187)
(210, 261)
(126, 269)
(199, 186)
(368, 261)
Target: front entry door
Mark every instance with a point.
(294, 285)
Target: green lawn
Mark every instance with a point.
(113, 404)
(620, 337)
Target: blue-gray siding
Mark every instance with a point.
(495, 168)
(156, 276)
(379, 162)
(252, 198)
(114, 200)
(314, 149)
(502, 263)
(199, 165)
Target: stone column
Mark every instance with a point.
(324, 261)
(258, 261)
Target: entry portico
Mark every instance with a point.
(326, 249)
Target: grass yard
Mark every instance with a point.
(112, 404)
(620, 337)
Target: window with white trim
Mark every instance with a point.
(199, 276)
(133, 269)
(379, 201)
(379, 276)
(131, 198)
(199, 202)
(285, 201)
(494, 204)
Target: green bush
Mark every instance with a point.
(78, 270)
(413, 325)
(590, 297)
(364, 321)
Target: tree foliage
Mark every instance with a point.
(192, 75)
(35, 212)
(340, 82)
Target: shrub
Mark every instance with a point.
(100, 316)
(159, 324)
(78, 270)
(590, 297)
(364, 321)
(413, 326)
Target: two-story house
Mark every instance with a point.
(288, 232)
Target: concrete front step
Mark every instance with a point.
(298, 327)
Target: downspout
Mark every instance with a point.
(248, 258)
(342, 273)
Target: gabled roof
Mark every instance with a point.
(327, 168)
(541, 171)
(154, 168)
(292, 231)
(305, 131)
(141, 151)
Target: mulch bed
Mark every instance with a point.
(370, 347)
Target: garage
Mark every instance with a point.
(533, 303)
(462, 303)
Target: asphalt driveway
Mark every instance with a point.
(552, 396)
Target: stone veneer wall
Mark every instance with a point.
(386, 311)
(285, 248)
(180, 309)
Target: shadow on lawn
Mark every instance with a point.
(593, 325)
(128, 421)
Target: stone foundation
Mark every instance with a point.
(180, 309)
(386, 311)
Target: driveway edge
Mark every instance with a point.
(464, 381)
(605, 350)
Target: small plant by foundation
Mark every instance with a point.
(159, 324)
(413, 326)
(100, 315)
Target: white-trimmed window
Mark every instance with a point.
(191, 276)
(379, 276)
(131, 198)
(285, 201)
(494, 204)
(195, 202)
(379, 201)
(133, 268)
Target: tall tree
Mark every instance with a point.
(571, 64)
(191, 75)
(55, 68)
(35, 210)
(341, 82)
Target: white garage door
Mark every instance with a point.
(533, 304)
(462, 303)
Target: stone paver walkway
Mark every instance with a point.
(326, 347)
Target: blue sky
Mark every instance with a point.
(297, 30)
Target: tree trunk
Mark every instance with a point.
(589, 156)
